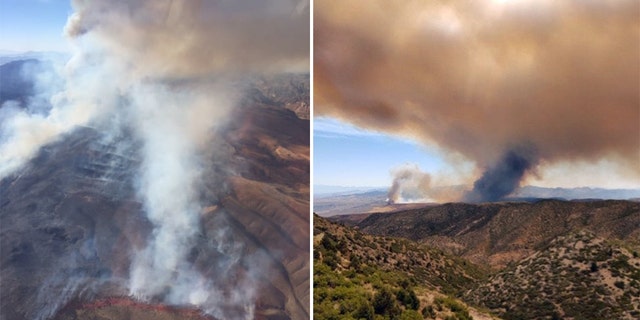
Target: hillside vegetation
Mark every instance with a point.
(359, 276)
(499, 233)
(545, 260)
(579, 276)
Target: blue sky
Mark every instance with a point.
(345, 155)
(33, 25)
(349, 156)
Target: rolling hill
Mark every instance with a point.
(549, 259)
(497, 233)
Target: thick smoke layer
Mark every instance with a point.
(479, 77)
(164, 70)
(180, 38)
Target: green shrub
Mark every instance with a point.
(364, 311)
(384, 303)
(328, 242)
(410, 315)
(396, 247)
(331, 260)
(408, 298)
(428, 312)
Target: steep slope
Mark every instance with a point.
(579, 276)
(498, 233)
(71, 218)
(362, 276)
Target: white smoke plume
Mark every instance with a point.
(163, 69)
(24, 130)
(173, 126)
(411, 184)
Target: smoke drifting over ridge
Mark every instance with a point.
(478, 78)
(167, 71)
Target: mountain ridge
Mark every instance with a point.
(363, 200)
(496, 233)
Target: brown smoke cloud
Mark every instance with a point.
(195, 38)
(484, 78)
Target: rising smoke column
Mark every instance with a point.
(169, 187)
(166, 71)
(478, 78)
(503, 177)
(409, 183)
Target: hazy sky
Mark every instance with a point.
(33, 25)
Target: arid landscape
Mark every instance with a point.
(548, 259)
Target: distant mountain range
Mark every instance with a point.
(577, 193)
(335, 200)
(27, 80)
(8, 56)
(321, 190)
